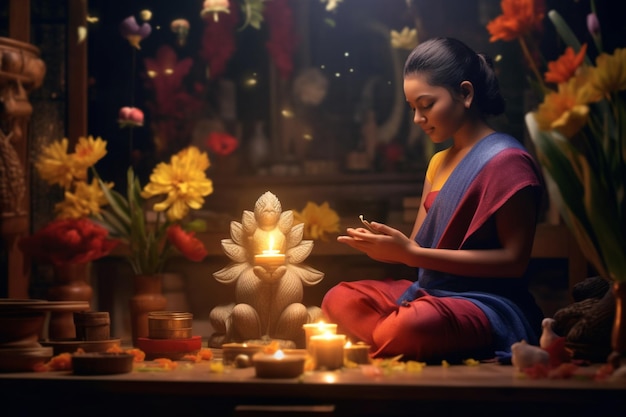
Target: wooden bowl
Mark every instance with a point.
(102, 363)
(24, 359)
(21, 322)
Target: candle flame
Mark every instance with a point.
(279, 354)
(348, 344)
(271, 250)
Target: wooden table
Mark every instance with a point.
(485, 390)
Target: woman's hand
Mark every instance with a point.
(388, 245)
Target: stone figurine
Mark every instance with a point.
(268, 297)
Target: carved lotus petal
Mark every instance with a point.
(248, 221)
(285, 221)
(306, 274)
(230, 273)
(237, 233)
(234, 251)
(294, 237)
(300, 252)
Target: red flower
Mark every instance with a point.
(221, 143)
(191, 247)
(68, 241)
(282, 37)
(218, 41)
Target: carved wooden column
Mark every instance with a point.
(21, 71)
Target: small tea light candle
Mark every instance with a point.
(327, 350)
(357, 353)
(270, 258)
(311, 329)
(278, 364)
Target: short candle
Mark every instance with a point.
(318, 328)
(357, 353)
(278, 364)
(327, 350)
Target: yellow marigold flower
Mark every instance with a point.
(88, 151)
(318, 220)
(414, 366)
(471, 362)
(55, 166)
(183, 181)
(609, 75)
(85, 201)
(194, 159)
(216, 367)
(567, 110)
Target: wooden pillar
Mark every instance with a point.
(14, 221)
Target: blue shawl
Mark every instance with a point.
(494, 170)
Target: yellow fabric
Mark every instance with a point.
(433, 169)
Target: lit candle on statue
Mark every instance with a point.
(270, 257)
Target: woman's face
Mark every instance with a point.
(436, 110)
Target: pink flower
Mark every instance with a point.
(186, 242)
(130, 117)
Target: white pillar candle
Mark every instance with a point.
(311, 329)
(327, 350)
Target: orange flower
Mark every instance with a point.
(166, 363)
(519, 17)
(191, 247)
(61, 362)
(562, 69)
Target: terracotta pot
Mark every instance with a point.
(147, 297)
(618, 336)
(70, 283)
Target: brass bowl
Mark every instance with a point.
(169, 325)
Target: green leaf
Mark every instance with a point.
(116, 202)
(588, 206)
(565, 32)
(196, 225)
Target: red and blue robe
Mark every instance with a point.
(495, 169)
